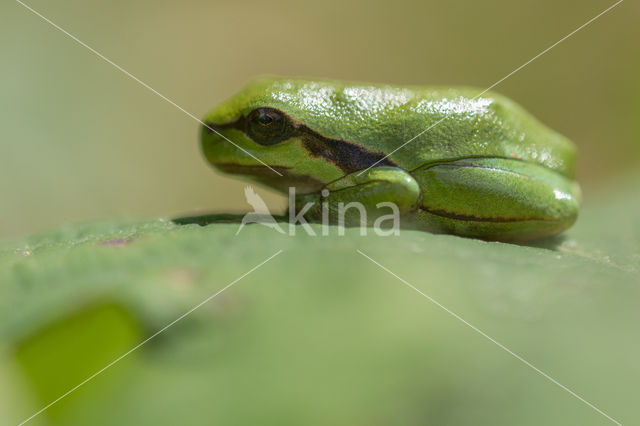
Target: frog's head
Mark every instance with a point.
(270, 123)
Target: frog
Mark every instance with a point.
(452, 160)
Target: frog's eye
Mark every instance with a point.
(268, 126)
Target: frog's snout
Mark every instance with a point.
(209, 127)
(211, 135)
(209, 140)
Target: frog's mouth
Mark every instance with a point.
(252, 170)
(303, 184)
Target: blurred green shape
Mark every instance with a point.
(60, 356)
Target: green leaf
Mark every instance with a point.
(320, 334)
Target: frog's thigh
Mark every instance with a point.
(496, 199)
(368, 188)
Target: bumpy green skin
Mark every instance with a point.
(487, 169)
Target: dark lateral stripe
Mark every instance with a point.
(210, 127)
(470, 218)
(348, 156)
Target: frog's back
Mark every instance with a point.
(441, 123)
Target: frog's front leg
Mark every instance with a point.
(495, 199)
(356, 199)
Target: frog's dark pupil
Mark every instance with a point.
(265, 118)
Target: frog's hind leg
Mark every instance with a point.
(495, 199)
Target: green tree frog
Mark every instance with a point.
(485, 168)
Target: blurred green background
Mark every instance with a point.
(80, 141)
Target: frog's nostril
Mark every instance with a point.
(209, 127)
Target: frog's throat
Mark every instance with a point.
(348, 156)
(304, 184)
